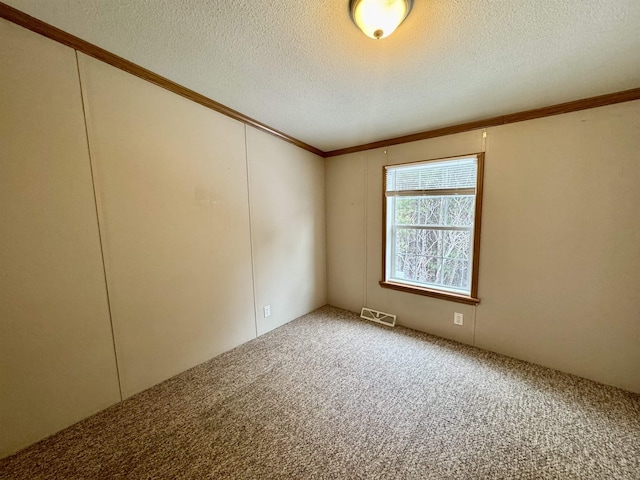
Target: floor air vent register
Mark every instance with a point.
(378, 317)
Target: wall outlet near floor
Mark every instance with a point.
(267, 311)
(458, 318)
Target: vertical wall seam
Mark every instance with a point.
(366, 232)
(253, 268)
(473, 332)
(98, 220)
(325, 163)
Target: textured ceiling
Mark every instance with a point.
(303, 68)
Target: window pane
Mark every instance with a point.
(406, 211)
(455, 273)
(418, 268)
(406, 266)
(429, 269)
(457, 245)
(430, 242)
(431, 211)
(406, 239)
(419, 242)
(418, 255)
(401, 266)
(460, 211)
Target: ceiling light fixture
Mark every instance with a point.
(379, 18)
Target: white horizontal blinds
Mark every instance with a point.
(449, 177)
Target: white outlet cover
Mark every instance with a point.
(267, 311)
(458, 318)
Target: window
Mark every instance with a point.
(432, 227)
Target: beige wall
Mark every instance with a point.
(560, 246)
(346, 209)
(171, 179)
(183, 247)
(560, 258)
(288, 229)
(57, 363)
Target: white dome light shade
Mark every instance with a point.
(379, 18)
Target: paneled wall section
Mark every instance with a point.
(286, 189)
(137, 230)
(57, 362)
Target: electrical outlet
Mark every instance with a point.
(267, 311)
(458, 318)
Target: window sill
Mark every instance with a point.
(454, 297)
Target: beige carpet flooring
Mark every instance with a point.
(330, 396)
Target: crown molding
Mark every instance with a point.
(560, 108)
